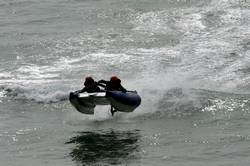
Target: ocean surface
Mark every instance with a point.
(188, 59)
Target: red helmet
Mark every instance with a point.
(89, 81)
(115, 79)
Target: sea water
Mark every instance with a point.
(188, 59)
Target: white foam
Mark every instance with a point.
(2, 94)
(5, 75)
(47, 97)
(232, 16)
(110, 58)
(191, 22)
(35, 91)
(153, 22)
(37, 72)
(156, 52)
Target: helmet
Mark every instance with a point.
(115, 79)
(89, 81)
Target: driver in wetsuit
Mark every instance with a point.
(114, 84)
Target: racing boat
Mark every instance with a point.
(121, 101)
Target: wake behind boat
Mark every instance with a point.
(121, 101)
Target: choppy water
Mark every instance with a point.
(188, 59)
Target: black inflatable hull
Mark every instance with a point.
(123, 102)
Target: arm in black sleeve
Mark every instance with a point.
(123, 89)
(82, 90)
(101, 85)
(103, 82)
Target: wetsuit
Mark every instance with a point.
(90, 89)
(109, 86)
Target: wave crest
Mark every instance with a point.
(20, 92)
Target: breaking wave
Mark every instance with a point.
(178, 102)
(20, 92)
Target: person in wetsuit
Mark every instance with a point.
(90, 86)
(114, 84)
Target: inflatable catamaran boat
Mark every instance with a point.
(123, 102)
